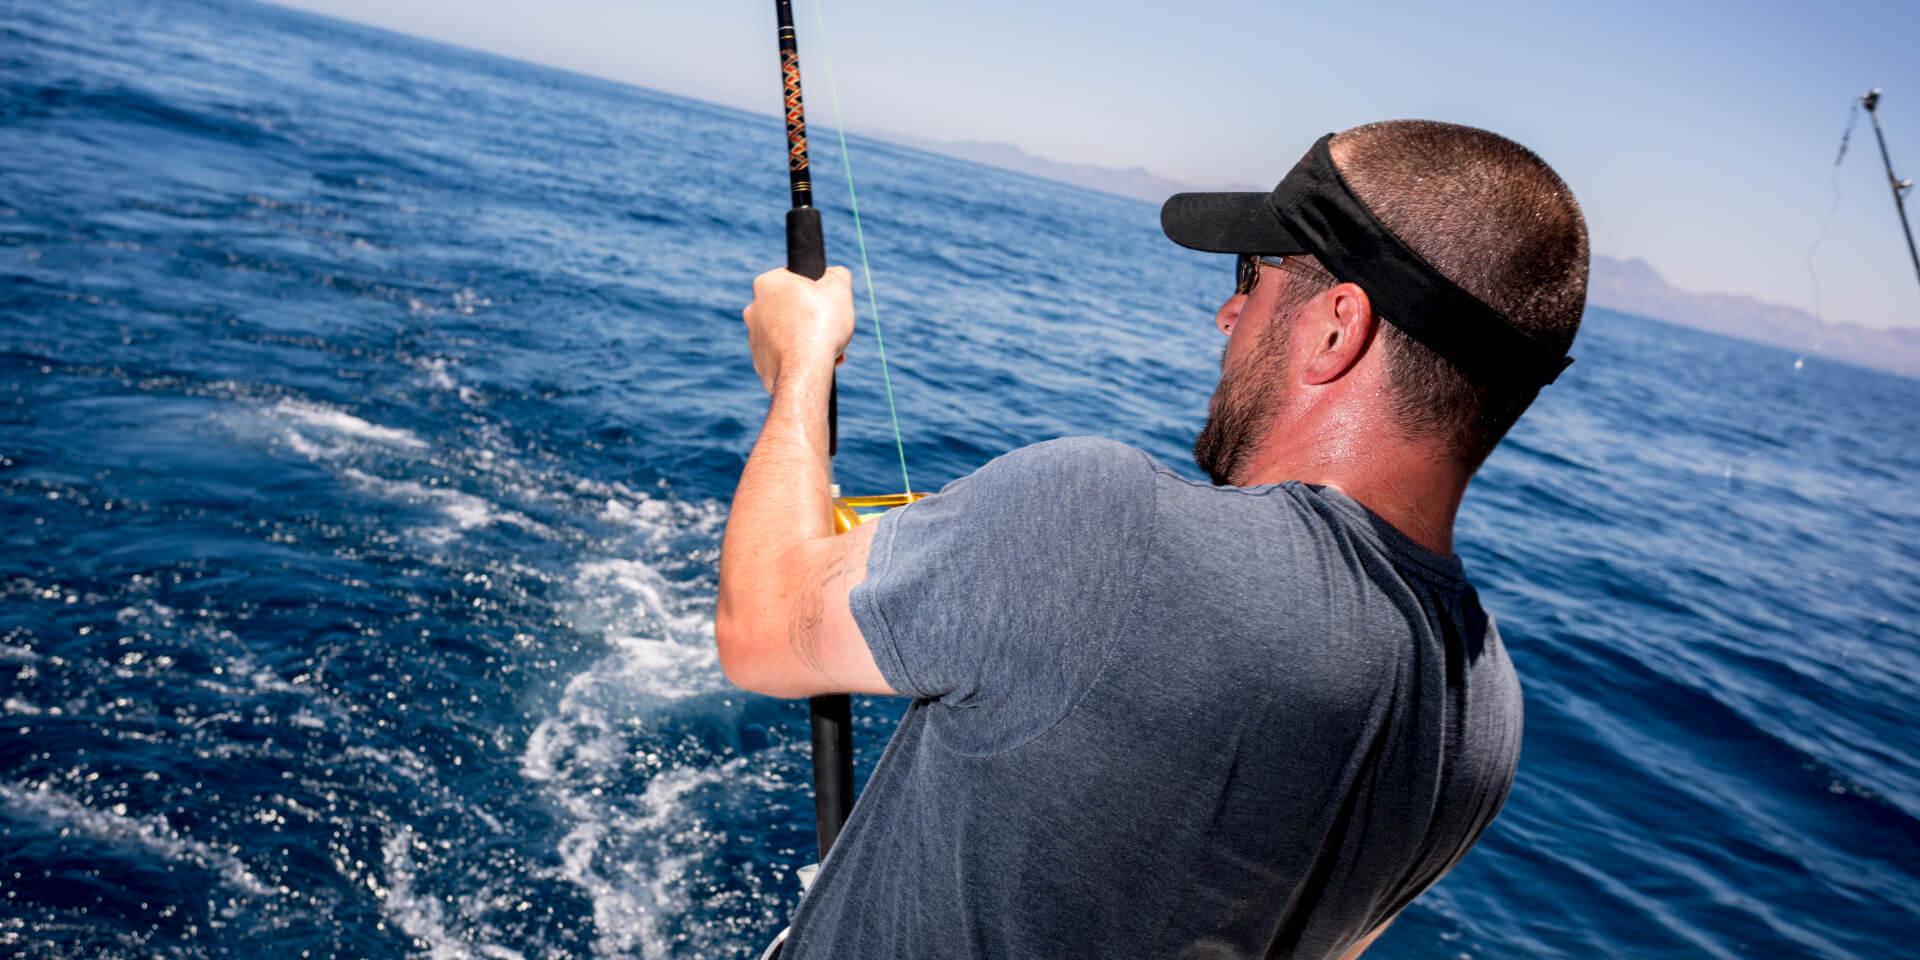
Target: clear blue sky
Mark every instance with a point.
(1699, 136)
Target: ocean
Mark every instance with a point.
(368, 414)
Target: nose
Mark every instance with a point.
(1229, 313)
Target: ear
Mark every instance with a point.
(1342, 328)
(1229, 313)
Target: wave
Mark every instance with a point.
(116, 828)
(1721, 749)
(244, 125)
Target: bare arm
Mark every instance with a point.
(1354, 952)
(784, 625)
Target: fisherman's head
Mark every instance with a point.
(1420, 278)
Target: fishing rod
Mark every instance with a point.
(1900, 187)
(831, 717)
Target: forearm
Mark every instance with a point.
(783, 500)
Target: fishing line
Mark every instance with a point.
(860, 239)
(1826, 223)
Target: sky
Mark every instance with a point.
(1699, 136)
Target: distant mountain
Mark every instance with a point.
(1137, 182)
(1634, 286)
(1630, 286)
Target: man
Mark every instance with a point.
(1156, 718)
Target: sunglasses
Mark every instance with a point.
(1247, 270)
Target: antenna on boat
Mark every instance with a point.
(1900, 187)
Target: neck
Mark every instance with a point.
(1411, 485)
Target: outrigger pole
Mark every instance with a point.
(831, 716)
(1900, 187)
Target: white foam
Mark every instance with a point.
(340, 423)
(352, 445)
(463, 510)
(18, 654)
(436, 371)
(398, 760)
(422, 917)
(298, 443)
(438, 378)
(469, 301)
(654, 518)
(632, 863)
(582, 741)
(152, 834)
(631, 595)
(634, 857)
(643, 514)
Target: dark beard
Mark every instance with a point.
(1242, 409)
(1233, 429)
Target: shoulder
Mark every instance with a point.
(1086, 459)
(1074, 475)
(1493, 669)
(1071, 502)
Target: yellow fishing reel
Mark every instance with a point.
(850, 512)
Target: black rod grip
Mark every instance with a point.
(832, 722)
(806, 248)
(807, 256)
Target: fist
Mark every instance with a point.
(797, 326)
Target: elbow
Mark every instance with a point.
(730, 636)
(739, 643)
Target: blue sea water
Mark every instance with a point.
(368, 410)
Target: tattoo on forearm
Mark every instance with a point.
(810, 611)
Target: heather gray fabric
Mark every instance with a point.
(1155, 718)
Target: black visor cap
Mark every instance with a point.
(1313, 211)
(1227, 223)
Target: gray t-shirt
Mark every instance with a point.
(1156, 718)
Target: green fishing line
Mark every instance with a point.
(860, 238)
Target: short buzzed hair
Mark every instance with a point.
(1498, 222)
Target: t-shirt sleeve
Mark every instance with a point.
(1005, 589)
